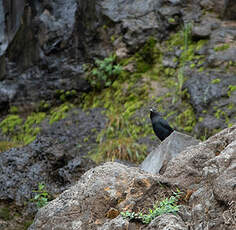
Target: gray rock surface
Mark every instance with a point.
(167, 221)
(37, 55)
(212, 100)
(54, 158)
(206, 171)
(157, 161)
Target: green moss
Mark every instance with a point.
(10, 124)
(171, 20)
(186, 120)
(19, 131)
(30, 128)
(43, 106)
(219, 113)
(147, 55)
(5, 214)
(221, 47)
(13, 110)
(27, 224)
(215, 81)
(231, 89)
(60, 112)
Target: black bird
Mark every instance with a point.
(160, 126)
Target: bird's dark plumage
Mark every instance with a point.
(160, 126)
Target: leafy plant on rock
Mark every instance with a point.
(41, 197)
(168, 205)
(104, 72)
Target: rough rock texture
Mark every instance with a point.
(158, 159)
(136, 21)
(206, 171)
(54, 158)
(38, 55)
(167, 221)
(209, 91)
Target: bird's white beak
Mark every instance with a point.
(151, 110)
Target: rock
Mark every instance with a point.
(169, 62)
(167, 221)
(202, 162)
(38, 52)
(206, 170)
(224, 8)
(96, 186)
(55, 158)
(210, 95)
(118, 223)
(157, 161)
(221, 57)
(201, 32)
(230, 12)
(208, 125)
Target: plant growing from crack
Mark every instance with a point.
(168, 205)
(41, 197)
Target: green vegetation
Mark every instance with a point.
(10, 124)
(216, 81)
(168, 205)
(124, 129)
(13, 110)
(171, 20)
(60, 112)
(104, 73)
(5, 214)
(41, 197)
(19, 131)
(23, 131)
(221, 47)
(147, 56)
(65, 95)
(231, 89)
(5, 145)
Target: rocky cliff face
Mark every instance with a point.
(37, 52)
(178, 55)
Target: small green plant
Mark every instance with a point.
(215, 81)
(180, 78)
(13, 110)
(60, 112)
(221, 47)
(41, 197)
(171, 20)
(231, 89)
(10, 124)
(187, 34)
(168, 205)
(104, 73)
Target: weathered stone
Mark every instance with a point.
(167, 221)
(101, 188)
(201, 32)
(157, 161)
(55, 157)
(207, 170)
(207, 87)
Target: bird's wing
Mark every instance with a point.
(165, 124)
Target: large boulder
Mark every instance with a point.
(206, 171)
